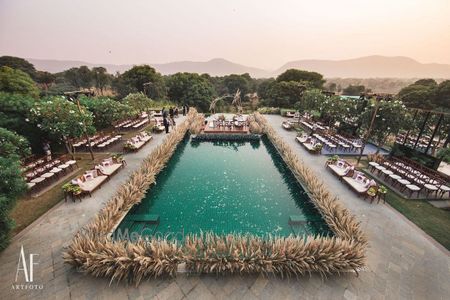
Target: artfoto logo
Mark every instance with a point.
(25, 272)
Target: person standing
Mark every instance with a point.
(184, 109)
(47, 150)
(166, 123)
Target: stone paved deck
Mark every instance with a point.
(402, 262)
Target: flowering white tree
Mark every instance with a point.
(390, 118)
(62, 119)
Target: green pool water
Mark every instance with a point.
(225, 187)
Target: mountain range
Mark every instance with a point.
(375, 66)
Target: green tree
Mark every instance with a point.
(139, 102)
(62, 120)
(12, 185)
(310, 79)
(234, 82)
(264, 88)
(426, 82)
(107, 111)
(85, 76)
(80, 77)
(332, 87)
(18, 64)
(45, 79)
(286, 94)
(17, 81)
(141, 79)
(312, 100)
(443, 95)
(14, 111)
(101, 78)
(191, 89)
(354, 90)
(419, 96)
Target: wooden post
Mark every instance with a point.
(366, 138)
(85, 131)
(434, 133)
(407, 134)
(421, 129)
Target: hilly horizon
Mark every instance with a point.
(375, 66)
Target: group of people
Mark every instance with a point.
(169, 116)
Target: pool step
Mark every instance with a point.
(301, 219)
(153, 219)
(299, 224)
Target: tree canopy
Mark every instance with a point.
(310, 79)
(107, 111)
(79, 77)
(421, 94)
(354, 90)
(191, 89)
(14, 113)
(18, 64)
(142, 79)
(61, 118)
(17, 81)
(138, 101)
(390, 118)
(12, 185)
(286, 94)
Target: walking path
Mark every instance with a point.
(402, 262)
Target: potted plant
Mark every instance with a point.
(129, 147)
(71, 188)
(118, 157)
(382, 189)
(318, 148)
(333, 159)
(372, 191)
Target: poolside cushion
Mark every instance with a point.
(109, 170)
(91, 185)
(339, 170)
(356, 185)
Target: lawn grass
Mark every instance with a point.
(28, 209)
(434, 221)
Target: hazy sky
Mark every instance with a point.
(258, 33)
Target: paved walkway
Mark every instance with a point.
(402, 262)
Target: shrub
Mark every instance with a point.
(269, 110)
(283, 111)
(12, 185)
(444, 155)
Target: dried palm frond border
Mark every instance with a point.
(197, 124)
(211, 253)
(93, 251)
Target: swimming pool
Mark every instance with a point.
(225, 187)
